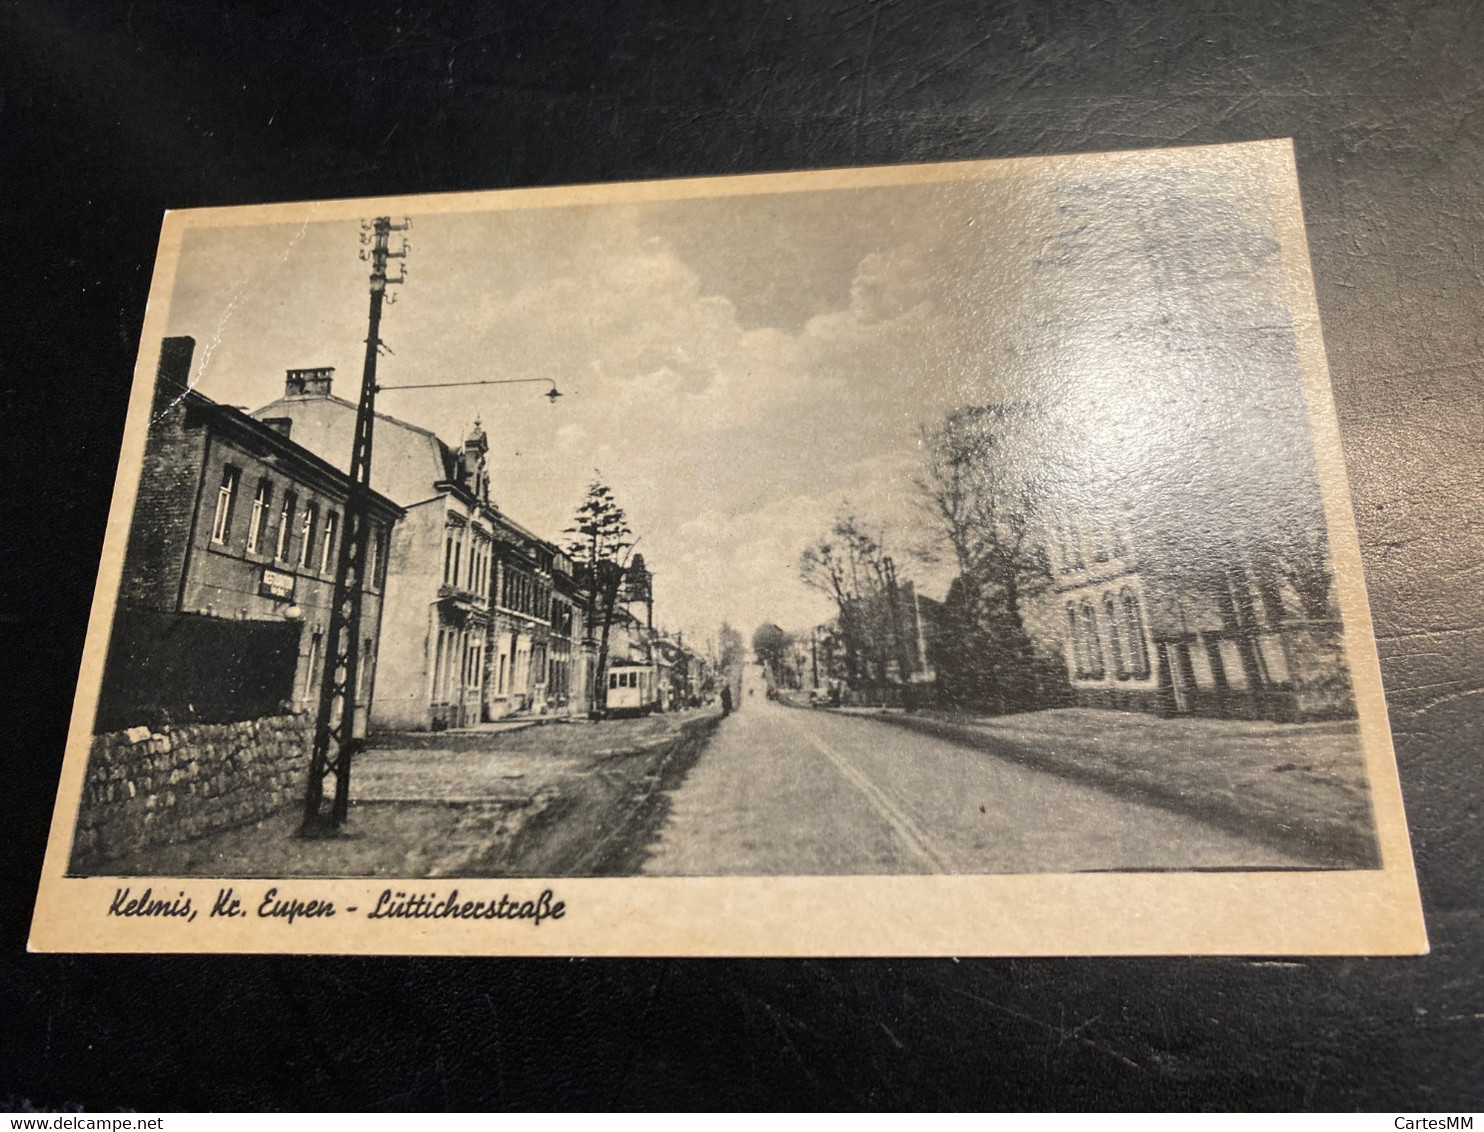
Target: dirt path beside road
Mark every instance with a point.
(562, 799)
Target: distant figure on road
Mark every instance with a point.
(726, 700)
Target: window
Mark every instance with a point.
(449, 652)
(1074, 637)
(476, 674)
(327, 550)
(226, 495)
(363, 677)
(262, 505)
(376, 549)
(311, 670)
(286, 526)
(1110, 615)
(438, 665)
(307, 532)
(1078, 563)
(1091, 643)
(1120, 547)
(1133, 625)
(453, 552)
(1099, 545)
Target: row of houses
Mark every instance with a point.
(467, 617)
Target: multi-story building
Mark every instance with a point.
(571, 658)
(481, 616)
(236, 522)
(1243, 636)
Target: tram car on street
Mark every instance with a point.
(631, 690)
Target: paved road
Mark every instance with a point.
(782, 790)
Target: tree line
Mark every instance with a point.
(987, 488)
(981, 504)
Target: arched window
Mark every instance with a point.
(1110, 615)
(1074, 639)
(1064, 565)
(1099, 543)
(1133, 627)
(1078, 562)
(1091, 642)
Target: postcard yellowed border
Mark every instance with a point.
(1369, 912)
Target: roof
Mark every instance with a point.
(442, 468)
(309, 468)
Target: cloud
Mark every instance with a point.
(739, 368)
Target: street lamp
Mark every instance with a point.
(551, 394)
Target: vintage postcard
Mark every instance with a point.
(934, 560)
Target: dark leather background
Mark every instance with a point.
(112, 112)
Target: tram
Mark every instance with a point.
(631, 690)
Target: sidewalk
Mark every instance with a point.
(1300, 786)
(570, 799)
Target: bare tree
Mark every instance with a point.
(985, 504)
(1303, 562)
(988, 510)
(850, 566)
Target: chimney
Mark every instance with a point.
(174, 371)
(309, 382)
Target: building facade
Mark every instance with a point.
(235, 522)
(481, 616)
(1243, 637)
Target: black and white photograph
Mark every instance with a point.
(974, 520)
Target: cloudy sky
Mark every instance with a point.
(740, 368)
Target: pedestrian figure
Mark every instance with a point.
(726, 700)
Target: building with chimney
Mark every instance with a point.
(229, 573)
(482, 618)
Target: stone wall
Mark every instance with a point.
(148, 788)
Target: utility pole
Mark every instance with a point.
(334, 728)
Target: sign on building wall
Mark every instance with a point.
(276, 584)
